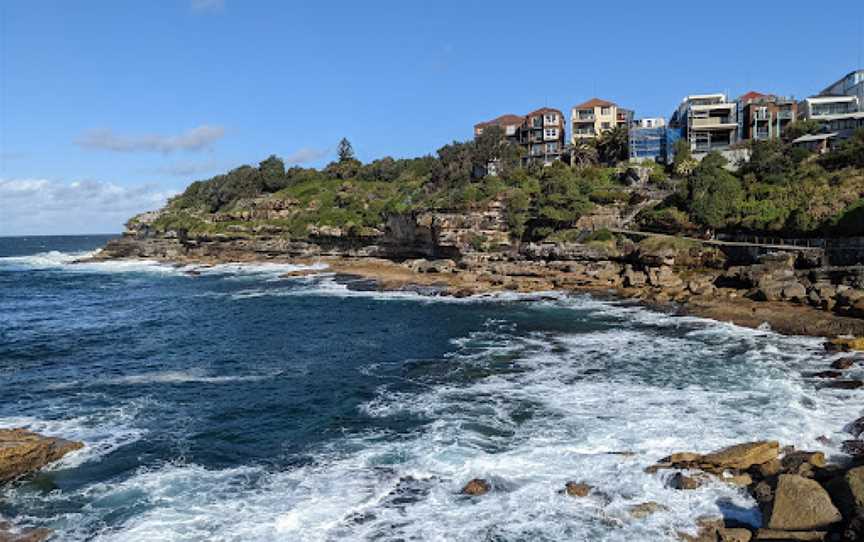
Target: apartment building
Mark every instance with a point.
(542, 135)
(588, 120)
(764, 116)
(648, 140)
(508, 123)
(852, 84)
(839, 108)
(708, 122)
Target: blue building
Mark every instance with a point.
(648, 140)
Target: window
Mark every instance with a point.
(551, 147)
(605, 125)
(551, 133)
(606, 111)
(551, 118)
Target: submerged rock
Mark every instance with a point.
(801, 504)
(22, 452)
(577, 489)
(476, 487)
(8, 534)
(843, 363)
(843, 384)
(645, 509)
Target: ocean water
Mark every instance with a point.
(235, 404)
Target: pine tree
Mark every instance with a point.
(345, 150)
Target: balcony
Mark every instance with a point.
(717, 123)
(785, 115)
(584, 118)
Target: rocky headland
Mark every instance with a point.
(794, 290)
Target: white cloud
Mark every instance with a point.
(306, 155)
(188, 169)
(40, 206)
(208, 5)
(195, 139)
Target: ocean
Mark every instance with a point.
(236, 404)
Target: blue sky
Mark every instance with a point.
(108, 107)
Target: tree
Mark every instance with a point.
(683, 163)
(584, 154)
(272, 172)
(613, 145)
(562, 200)
(714, 194)
(345, 151)
(798, 128)
(492, 146)
(769, 161)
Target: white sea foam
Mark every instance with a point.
(531, 412)
(102, 432)
(192, 376)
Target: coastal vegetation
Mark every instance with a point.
(781, 190)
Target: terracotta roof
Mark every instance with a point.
(543, 111)
(503, 120)
(752, 95)
(595, 102)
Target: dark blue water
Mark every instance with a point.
(235, 404)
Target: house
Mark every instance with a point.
(542, 136)
(648, 140)
(764, 116)
(708, 122)
(588, 120)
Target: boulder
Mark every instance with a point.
(735, 535)
(664, 277)
(801, 504)
(681, 481)
(577, 489)
(769, 468)
(845, 344)
(843, 384)
(824, 374)
(855, 448)
(645, 509)
(9, 534)
(789, 536)
(476, 487)
(634, 278)
(856, 428)
(22, 452)
(843, 363)
(793, 461)
(743, 456)
(847, 491)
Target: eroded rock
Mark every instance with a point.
(23, 452)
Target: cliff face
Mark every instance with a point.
(434, 235)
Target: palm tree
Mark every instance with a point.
(583, 154)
